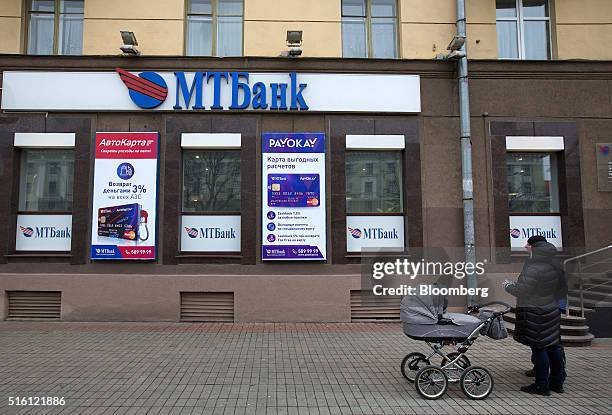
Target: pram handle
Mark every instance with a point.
(477, 307)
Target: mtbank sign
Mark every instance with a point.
(205, 90)
(374, 233)
(210, 233)
(43, 233)
(524, 227)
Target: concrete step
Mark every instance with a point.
(575, 310)
(598, 288)
(592, 295)
(566, 340)
(590, 301)
(592, 279)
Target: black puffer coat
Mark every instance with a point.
(538, 290)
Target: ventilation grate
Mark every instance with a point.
(365, 306)
(207, 306)
(34, 305)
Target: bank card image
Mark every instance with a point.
(119, 221)
(294, 190)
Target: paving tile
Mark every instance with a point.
(177, 368)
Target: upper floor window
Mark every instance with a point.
(523, 29)
(369, 28)
(214, 27)
(55, 27)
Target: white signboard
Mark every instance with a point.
(169, 91)
(293, 197)
(43, 233)
(375, 233)
(125, 196)
(524, 227)
(210, 233)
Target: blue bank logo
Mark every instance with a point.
(147, 90)
(515, 233)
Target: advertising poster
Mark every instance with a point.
(604, 167)
(293, 205)
(125, 196)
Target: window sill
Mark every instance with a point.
(377, 254)
(209, 258)
(209, 255)
(40, 255)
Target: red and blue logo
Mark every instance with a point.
(515, 233)
(192, 232)
(355, 233)
(27, 231)
(147, 90)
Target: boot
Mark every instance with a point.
(536, 390)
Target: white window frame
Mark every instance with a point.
(368, 23)
(519, 19)
(214, 18)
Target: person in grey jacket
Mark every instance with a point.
(538, 322)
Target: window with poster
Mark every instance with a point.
(532, 165)
(46, 176)
(210, 201)
(374, 194)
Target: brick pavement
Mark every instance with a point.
(175, 368)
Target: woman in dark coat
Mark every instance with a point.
(538, 321)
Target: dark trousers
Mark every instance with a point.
(549, 365)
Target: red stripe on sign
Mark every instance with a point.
(142, 89)
(138, 79)
(130, 81)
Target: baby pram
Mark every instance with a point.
(424, 319)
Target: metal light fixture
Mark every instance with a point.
(294, 42)
(129, 43)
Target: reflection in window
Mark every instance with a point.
(369, 28)
(523, 29)
(532, 183)
(46, 179)
(51, 20)
(374, 182)
(214, 28)
(211, 181)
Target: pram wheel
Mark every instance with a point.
(476, 382)
(431, 382)
(411, 364)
